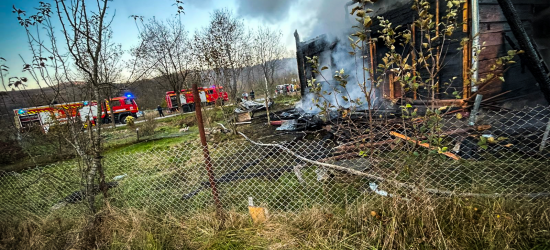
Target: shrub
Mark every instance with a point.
(149, 125)
(130, 121)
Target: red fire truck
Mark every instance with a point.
(46, 116)
(207, 95)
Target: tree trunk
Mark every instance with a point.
(95, 142)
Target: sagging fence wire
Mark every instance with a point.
(499, 158)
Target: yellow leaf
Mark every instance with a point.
(355, 9)
(367, 22)
(458, 116)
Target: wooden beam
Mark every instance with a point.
(413, 49)
(300, 61)
(437, 59)
(466, 50)
(426, 145)
(533, 60)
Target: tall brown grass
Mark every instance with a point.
(373, 224)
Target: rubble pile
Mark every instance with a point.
(251, 106)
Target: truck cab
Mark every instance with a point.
(121, 107)
(213, 94)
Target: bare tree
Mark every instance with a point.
(57, 61)
(165, 53)
(110, 70)
(224, 47)
(268, 53)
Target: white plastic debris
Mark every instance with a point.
(120, 177)
(322, 174)
(374, 187)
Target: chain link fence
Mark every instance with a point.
(504, 156)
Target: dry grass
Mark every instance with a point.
(376, 224)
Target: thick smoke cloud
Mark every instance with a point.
(313, 18)
(270, 10)
(330, 17)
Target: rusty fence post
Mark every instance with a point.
(206, 153)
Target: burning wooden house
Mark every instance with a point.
(496, 25)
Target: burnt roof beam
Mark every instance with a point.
(534, 61)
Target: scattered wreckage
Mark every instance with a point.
(251, 106)
(346, 135)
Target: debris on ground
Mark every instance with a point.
(80, 195)
(243, 117)
(225, 130)
(251, 106)
(120, 177)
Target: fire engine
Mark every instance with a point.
(208, 95)
(46, 116)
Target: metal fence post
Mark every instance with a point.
(206, 153)
(473, 114)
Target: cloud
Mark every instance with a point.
(199, 3)
(272, 11)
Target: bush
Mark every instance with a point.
(10, 152)
(183, 121)
(149, 125)
(130, 121)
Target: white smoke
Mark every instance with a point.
(333, 20)
(352, 95)
(314, 18)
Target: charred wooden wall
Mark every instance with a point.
(497, 38)
(495, 35)
(404, 16)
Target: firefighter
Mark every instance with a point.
(159, 109)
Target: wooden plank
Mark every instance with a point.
(494, 51)
(426, 145)
(497, 27)
(491, 39)
(493, 13)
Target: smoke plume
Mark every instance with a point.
(335, 22)
(269, 10)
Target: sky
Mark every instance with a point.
(310, 17)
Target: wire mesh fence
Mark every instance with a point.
(503, 156)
